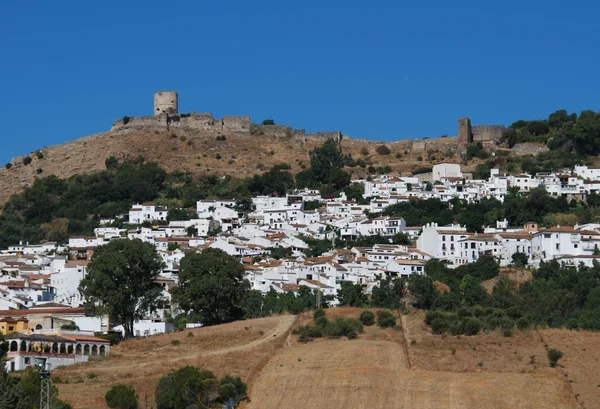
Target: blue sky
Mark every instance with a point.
(384, 70)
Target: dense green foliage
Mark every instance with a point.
(192, 387)
(367, 318)
(340, 327)
(24, 392)
(385, 319)
(121, 397)
(212, 286)
(557, 296)
(121, 281)
(518, 208)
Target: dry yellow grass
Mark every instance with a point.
(362, 373)
(197, 153)
(239, 349)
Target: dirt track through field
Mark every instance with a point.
(282, 327)
(362, 373)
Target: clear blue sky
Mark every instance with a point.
(383, 70)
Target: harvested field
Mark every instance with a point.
(362, 373)
(239, 349)
(523, 352)
(581, 362)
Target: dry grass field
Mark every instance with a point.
(374, 370)
(201, 153)
(239, 349)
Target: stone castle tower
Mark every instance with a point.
(165, 102)
(465, 132)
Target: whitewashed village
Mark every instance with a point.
(42, 310)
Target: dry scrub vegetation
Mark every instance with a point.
(373, 370)
(200, 152)
(239, 349)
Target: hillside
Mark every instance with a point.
(196, 151)
(456, 372)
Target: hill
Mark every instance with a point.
(407, 368)
(199, 152)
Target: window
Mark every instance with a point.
(557, 246)
(575, 245)
(11, 328)
(27, 360)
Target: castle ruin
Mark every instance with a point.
(489, 135)
(167, 117)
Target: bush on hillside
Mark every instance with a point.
(319, 313)
(554, 355)
(121, 397)
(367, 318)
(383, 150)
(385, 319)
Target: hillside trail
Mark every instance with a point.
(284, 324)
(282, 327)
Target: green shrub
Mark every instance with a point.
(319, 313)
(8, 165)
(92, 375)
(175, 342)
(523, 323)
(218, 156)
(507, 326)
(321, 321)
(344, 327)
(308, 333)
(39, 154)
(385, 319)
(513, 312)
(121, 397)
(464, 312)
(367, 318)
(553, 356)
(432, 315)
(27, 160)
(383, 150)
(221, 138)
(478, 312)
(439, 325)
(470, 326)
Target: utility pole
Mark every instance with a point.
(45, 398)
(318, 298)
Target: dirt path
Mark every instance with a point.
(281, 329)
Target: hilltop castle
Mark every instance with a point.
(167, 117)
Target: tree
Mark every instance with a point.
(212, 285)
(422, 288)
(121, 397)
(11, 393)
(121, 281)
(471, 290)
(178, 214)
(327, 160)
(188, 387)
(351, 294)
(519, 259)
(268, 122)
(388, 292)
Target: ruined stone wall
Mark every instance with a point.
(275, 130)
(140, 122)
(237, 124)
(325, 135)
(419, 146)
(488, 135)
(525, 149)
